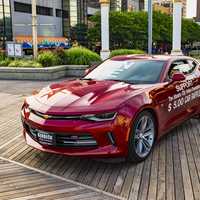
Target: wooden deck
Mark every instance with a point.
(171, 172)
(21, 183)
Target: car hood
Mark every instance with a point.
(83, 95)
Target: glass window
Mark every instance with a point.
(183, 66)
(5, 23)
(58, 13)
(22, 7)
(193, 64)
(27, 8)
(44, 11)
(132, 71)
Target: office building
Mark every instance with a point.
(5, 22)
(166, 6)
(54, 17)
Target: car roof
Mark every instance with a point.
(148, 57)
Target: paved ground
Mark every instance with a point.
(171, 172)
(22, 87)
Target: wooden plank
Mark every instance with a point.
(144, 186)
(161, 171)
(70, 171)
(113, 177)
(153, 183)
(19, 185)
(63, 166)
(128, 180)
(91, 173)
(84, 170)
(38, 191)
(135, 188)
(196, 148)
(169, 169)
(120, 179)
(103, 181)
(191, 156)
(41, 159)
(8, 145)
(69, 195)
(13, 149)
(184, 165)
(178, 179)
(98, 175)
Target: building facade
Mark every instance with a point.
(49, 16)
(166, 6)
(55, 17)
(5, 22)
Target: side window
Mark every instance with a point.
(182, 66)
(193, 65)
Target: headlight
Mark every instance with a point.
(25, 109)
(100, 117)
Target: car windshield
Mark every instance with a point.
(131, 71)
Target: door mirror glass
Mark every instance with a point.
(178, 76)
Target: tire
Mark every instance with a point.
(142, 137)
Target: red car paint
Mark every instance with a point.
(81, 97)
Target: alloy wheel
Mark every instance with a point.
(144, 136)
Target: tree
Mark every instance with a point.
(129, 30)
(79, 33)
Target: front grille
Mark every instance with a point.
(76, 141)
(67, 140)
(56, 117)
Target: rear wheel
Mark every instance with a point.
(142, 137)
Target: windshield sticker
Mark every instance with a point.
(185, 94)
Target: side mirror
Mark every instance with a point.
(178, 77)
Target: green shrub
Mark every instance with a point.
(24, 63)
(48, 58)
(61, 53)
(2, 56)
(5, 62)
(125, 52)
(81, 56)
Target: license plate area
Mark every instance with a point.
(45, 138)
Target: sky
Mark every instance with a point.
(191, 8)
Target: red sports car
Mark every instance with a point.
(119, 109)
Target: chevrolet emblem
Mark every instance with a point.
(46, 116)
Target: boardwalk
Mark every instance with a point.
(171, 172)
(22, 183)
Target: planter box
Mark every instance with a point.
(43, 74)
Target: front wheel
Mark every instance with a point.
(142, 137)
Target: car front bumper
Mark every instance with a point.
(81, 138)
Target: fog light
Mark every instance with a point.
(111, 138)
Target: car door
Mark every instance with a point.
(194, 94)
(172, 99)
